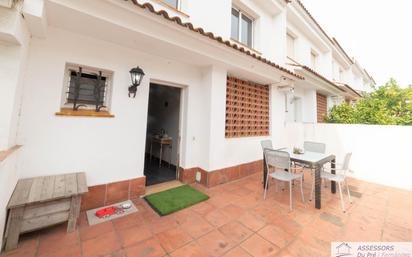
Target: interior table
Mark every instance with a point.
(314, 161)
(161, 141)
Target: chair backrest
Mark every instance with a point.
(346, 161)
(266, 144)
(278, 159)
(314, 147)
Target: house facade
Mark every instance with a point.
(242, 70)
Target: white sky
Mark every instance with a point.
(376, 32)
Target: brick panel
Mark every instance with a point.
(105, 194)
(247, 109)
(321, 105)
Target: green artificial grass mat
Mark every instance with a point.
(175, 199)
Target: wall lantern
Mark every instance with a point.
(136, 75)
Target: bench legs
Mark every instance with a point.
(73, 213)
(14, 225)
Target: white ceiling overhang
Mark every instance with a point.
(313, 81)
(125, 24)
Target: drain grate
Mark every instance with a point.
(331, 219)
(355, 194)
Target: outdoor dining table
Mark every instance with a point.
(314, 161)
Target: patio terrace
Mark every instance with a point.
(237, 222)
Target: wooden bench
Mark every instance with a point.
(44, 201)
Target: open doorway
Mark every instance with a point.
(162, 136)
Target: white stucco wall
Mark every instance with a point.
(226, 152)
(14, 43)
(108, 149)
(380, 154)
(112, 149)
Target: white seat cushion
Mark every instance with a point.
(332, 177)
(285, 176)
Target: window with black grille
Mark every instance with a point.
(90, 91)
(86, 88)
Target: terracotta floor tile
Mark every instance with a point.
(248, 201)
(203, 208)
(237, 252)
(359, 231)
(190, 250)
(287, 224)
(251, 221)
(101, 245)
(173, 239)
(25, 248)
(196, 226)
(242, 191)
(130, 220)
(148, 248)
(133, 235)
(393, 232)
(215, 243)
(60, 239)
(217, 218)
(64, 251)
(276, 236)
(325, 228)
(220, 200)
(118, 253)
(89, 232)
(235, 232)
(285, 253)
(318, 239)
(82, 220)
(183, 215)
(162, 224)
(301, 249)
(233, 211)
(225, 225)
(259, 247)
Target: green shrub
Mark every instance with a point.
(386, 105)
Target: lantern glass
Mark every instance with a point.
(136, 75)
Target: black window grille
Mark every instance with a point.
(87, 89)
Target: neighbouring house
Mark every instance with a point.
(220, 76)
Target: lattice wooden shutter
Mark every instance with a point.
(322, 109)
(247, 109)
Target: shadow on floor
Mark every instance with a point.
(155, 175)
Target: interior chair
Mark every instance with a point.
(339, 178)
(279, 168)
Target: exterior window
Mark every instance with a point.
(340, 75)
(87, 88)
(235, 24)
(313, 60)
(290, 46)
(172, 3)
(241, 28)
